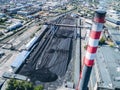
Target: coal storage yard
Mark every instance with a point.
(52, 53)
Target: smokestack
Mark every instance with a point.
(95, 33)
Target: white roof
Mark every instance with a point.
(64, 88)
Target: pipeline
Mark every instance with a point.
(95, 33)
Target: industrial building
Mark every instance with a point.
(50, 5)
(28, 11)
(13, 10)
(20, 59)
(106, 71)
(14, 26)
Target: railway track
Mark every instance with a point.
(16, 33)
(5, 59)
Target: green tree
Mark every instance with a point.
(28, 86)
(10, 85)
(39, 87)
(102, 41)
(19, 85)
(85, 47)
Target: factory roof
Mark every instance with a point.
(108, 63)
(31, 43)
(115, 35)
(20, 59)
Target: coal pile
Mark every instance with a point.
(52, 61)
(56, 57)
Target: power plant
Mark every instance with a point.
(46, 46)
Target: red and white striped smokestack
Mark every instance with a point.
(93, 42)
(95, 33)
